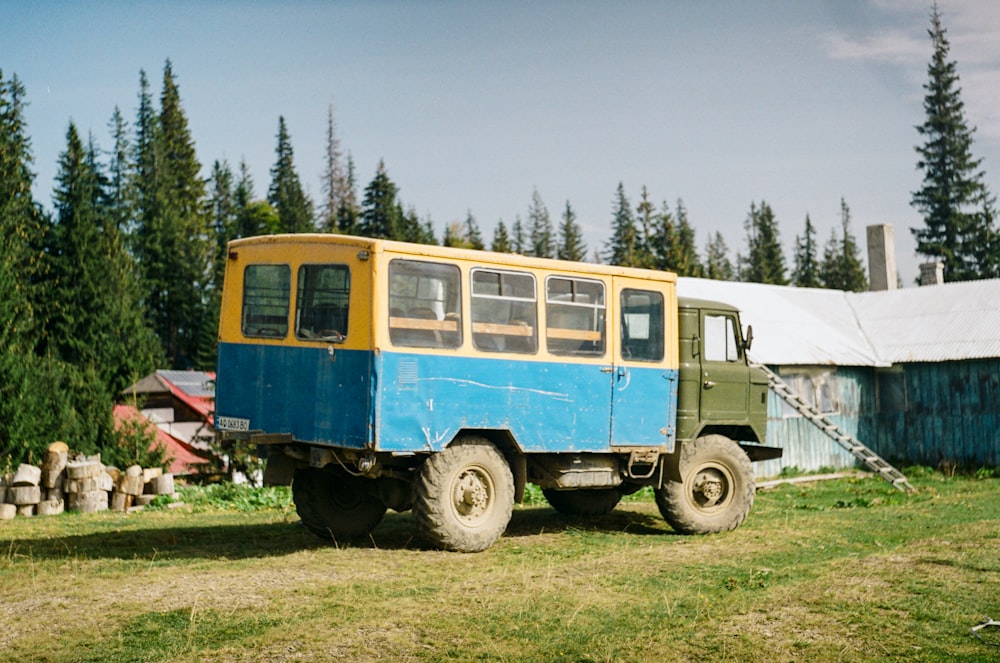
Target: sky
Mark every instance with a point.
(472, 106)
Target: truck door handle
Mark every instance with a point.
(709, 384)
(607, 369)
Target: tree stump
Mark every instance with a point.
(88, 502)
(26, 510)
(162, 485)
(26, 475)
(50, 507)
(121, 501)
(7, 511)
(56, 458)
(83, 469)
(130, 482)
(24, 495)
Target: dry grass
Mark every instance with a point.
(845, 570)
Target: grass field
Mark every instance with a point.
(848, 570)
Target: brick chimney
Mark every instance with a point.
(882, 257)
(932, 273)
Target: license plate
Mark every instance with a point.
(232, 423)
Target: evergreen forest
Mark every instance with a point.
(123, 274)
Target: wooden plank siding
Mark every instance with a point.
(950, 415)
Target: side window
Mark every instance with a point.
(266, 295)
(642, 325)
(321, 302)
(504, 315)
(425, 304)
(720, 339)
(574, 312)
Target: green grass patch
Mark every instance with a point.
(846, 570)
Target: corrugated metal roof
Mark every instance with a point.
(193, 383)
(791, 326)
(933, 323)
(806, 326)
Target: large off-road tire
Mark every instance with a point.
(335, 505)
(583, 502)
(465, 495)
(716, 489)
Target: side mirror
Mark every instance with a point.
(749, 338)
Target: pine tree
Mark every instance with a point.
(805, 274)
(540, 229)
(688, 263)
(953, 191)
(95, 319)
(765, 261)
(348, 214)
(842, 268)
(336, 187)
(625, 246)
(472, 236)
(518, 243)
(295, 211)
(571, 244)
(172, 239)
(253, 217)
(717, 263)
(645, 221)
(501, 240)
(120, 192)
(380, 214)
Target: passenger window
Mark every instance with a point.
(321, 302)
(504, 315)
(266, 295)
(720, 339)
(574, 312)
(425, 304)
(642, 325)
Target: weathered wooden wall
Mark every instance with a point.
(951, 415)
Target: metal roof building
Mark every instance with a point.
(915, 373)
(808, 326)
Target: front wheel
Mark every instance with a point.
(465, 496)
(716, 489)
(335, 505)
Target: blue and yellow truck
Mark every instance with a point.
(378, 374)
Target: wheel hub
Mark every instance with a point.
(472, 495)
(709, 488)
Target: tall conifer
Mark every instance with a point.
(571, 244)
(953, 198)
(295, 210)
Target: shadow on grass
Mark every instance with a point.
(253, 540)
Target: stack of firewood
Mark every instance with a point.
(80, 483)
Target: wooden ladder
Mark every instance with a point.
(868, 458)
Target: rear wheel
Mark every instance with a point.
(583, 502)
(465, 495)
(716, 489)
(335, 505)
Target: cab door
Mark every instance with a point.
(724, 375)
(644, 369)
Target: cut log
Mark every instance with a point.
(121, 501)
(85, 469)
(23, 495)
(3, 494)
(143, 500)
(162, 485)
(7, 511)
(150, 473)
(130, 482)
(27, 475)
(89, 502)
(26, 510)
(105, 482)
(55, 463)
(50, 507)
(56, 493)
(113, 472)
